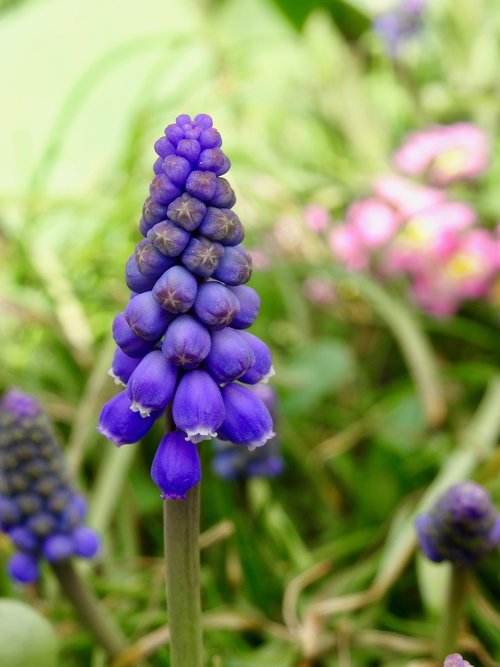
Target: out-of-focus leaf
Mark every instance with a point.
(351, 21)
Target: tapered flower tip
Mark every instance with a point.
(230, 356)
(86, 542)
(235, 267)
(262, 368)
(187, 342)
(197, 408)
(23, 568)
(19, 404)
(215, 305)
(120, 425)
(455, 660)
(248, 421)
(249, 302)
(146, 317)
(122, 367)
(128, 341)
(151, 386)
(57, 547)
(176, 290)
(176, 466)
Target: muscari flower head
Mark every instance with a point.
(40, 510)
(455, 660)
(181, 339)
(463, 526)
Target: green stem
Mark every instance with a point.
(448, 633)
(89, 609)
(182, 554)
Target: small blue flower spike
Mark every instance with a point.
(182, 344)
(39, 509)
(463, 526)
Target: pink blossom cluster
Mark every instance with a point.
(414, 229)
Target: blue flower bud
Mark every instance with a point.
(230, 356)
(146, 317)
(226, 166)
(152, 213)
(122, 367)
(215, 305)
(168, 238)
(86, 542)
(247, 420)
(164, 147)
(235, 267)
(158, 166)
(23, 568)
(223, 225)
(151, 386)
(223, 195)
(57, 547)
(210, 138)
(177, 169)
(23, 538)
(129, 342)
(163, 190)
(262, 368)
(176, 466)
(174, 134)
(249, 302)
(120, 425)
(138, 282)
(211, 159)
(150, 261)
(197, 408)
(187, 342)
(189, 149)
(202, 256)
(176, 290)
(202, 184)
(187, 212)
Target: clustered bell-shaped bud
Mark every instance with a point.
(181, 339)
(39, 508)
(463, 526)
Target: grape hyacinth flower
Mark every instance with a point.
(39, 508)
(456, 660)
(181, 339)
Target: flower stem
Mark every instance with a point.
(182, 554)
(457, 589)
(89, 609)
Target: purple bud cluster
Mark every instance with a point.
(456, 660)
(463, 526)
(39, 509)
(181, 339)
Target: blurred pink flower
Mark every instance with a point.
(320, 290)
(373, 222)
(446, 153)
(260, 258)
(346, 246)
(316, 217)
(406, 196)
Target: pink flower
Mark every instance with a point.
(346, 246)
(373, 221)
(320, 290)
(406, 196)
(316, 217)
(446, 153)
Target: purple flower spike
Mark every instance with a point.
(202, 185)
(168, 238)
(215, 305)
(152, 384)
(223, 225)
(176, 466)
(202, 256)
(163, 190)
(146, 317)
(187, 342)
(187, 212)
(137, 281)
(249, 302)
(122, 367)
(129, 342)
(177, 169)
(86, 542)
(23, 568)
(57, 547)
(262, 368)
(197, 408)
(230, 356)
(150, 261)
(176, 290)
(223, 195)
(235, 267)
(120, 425)
(247, 421)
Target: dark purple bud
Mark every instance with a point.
(152, 384)
(230, 356)
(23, 568)
(262, 368)
(163, 147)
(146, 317)
(177, 169)
(211, 159)
(215, 305)
(174, 134)
(203, 120)
(210, 138)
(247, 421)
(226, 166)
(223, 225)
(158, 166)
(187, 212)
(127, 340)
(153, 212)
(235, 267)
(57, 547)
(168, 238)
(197, 408)
(23, 539)
(150, 261)
(163, 190)
(86, 542)
(189, 149)
(176, 290)
(202, 184)
(186, 342)
(137, 281)
(202, 256)
(120, 425)
(122, 367)
(249, 302)
(176, 466)
(223, 195)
